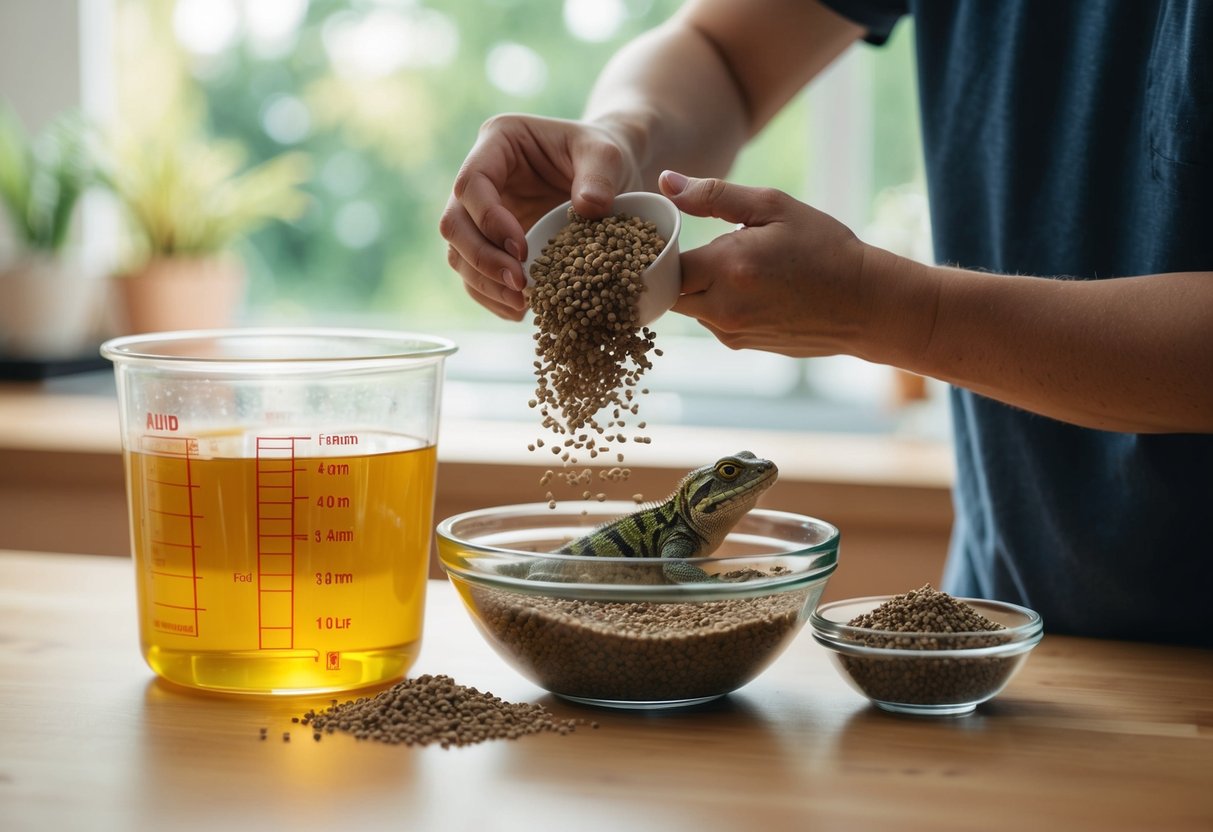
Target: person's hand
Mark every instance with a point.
(790, 281)
(519, 169)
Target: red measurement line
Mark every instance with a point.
(191, 514)
(176, 575)
(260, 623)
(275, 460)
(189, 479)
(180, 607)
(166, 482)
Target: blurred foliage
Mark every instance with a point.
(42, 177)
(385, 149)
(188, 196)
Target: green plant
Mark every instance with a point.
(187, 196)
(42, 177)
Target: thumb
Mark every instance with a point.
(598, 177)
(720, 199)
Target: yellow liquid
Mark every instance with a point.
(280, 569)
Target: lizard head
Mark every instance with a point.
(713, 498)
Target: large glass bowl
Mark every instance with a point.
(613, 631)
(937, 674)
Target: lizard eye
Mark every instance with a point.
(728, 470)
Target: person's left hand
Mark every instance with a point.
(790, 281)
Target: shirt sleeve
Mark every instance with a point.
(877, 16)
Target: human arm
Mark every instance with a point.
(1131, 354)
(687, 95)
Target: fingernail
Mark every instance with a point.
(513, 249)
(515, 281)
(673, 183)
(595, 193)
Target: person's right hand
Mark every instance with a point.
(519, 169)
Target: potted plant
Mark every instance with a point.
(51, 305)
(189, 201)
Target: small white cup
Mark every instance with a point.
(662, 279)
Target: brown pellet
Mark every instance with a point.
(640, 651)
(434, 710)
(922, 615)
(590, 347)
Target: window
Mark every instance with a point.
(386, 98)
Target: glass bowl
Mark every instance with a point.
(612, 631)
(939, 674)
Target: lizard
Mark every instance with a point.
(691, 522)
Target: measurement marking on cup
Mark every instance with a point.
(162, 574)
(168, 498)
(159, 542)
(277, 496)
(168, 484)
(330, 578)
(188, 514)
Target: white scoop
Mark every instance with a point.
(662, 279)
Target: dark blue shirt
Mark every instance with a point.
(1072, 139)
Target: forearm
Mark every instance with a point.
(672, 100)
(1130, 354)
(689, 94)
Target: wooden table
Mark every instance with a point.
(1091, 735)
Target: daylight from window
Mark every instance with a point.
(384, 99)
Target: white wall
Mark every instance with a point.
(54, 57)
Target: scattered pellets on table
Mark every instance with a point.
(435, 710)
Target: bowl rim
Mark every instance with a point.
(826, 551)
(837, 636)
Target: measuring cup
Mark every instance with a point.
(281, 491)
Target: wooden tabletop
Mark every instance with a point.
(1090, 735)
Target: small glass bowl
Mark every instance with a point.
(613, 632)
(931, 674)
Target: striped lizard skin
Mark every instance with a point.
(691, 522)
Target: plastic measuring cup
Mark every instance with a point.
(281, 491)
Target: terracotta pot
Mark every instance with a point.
(173, 293)
(50, 308)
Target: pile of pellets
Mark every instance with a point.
(591, 351)
(434, 710)
(640, 651)
(916, 620)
